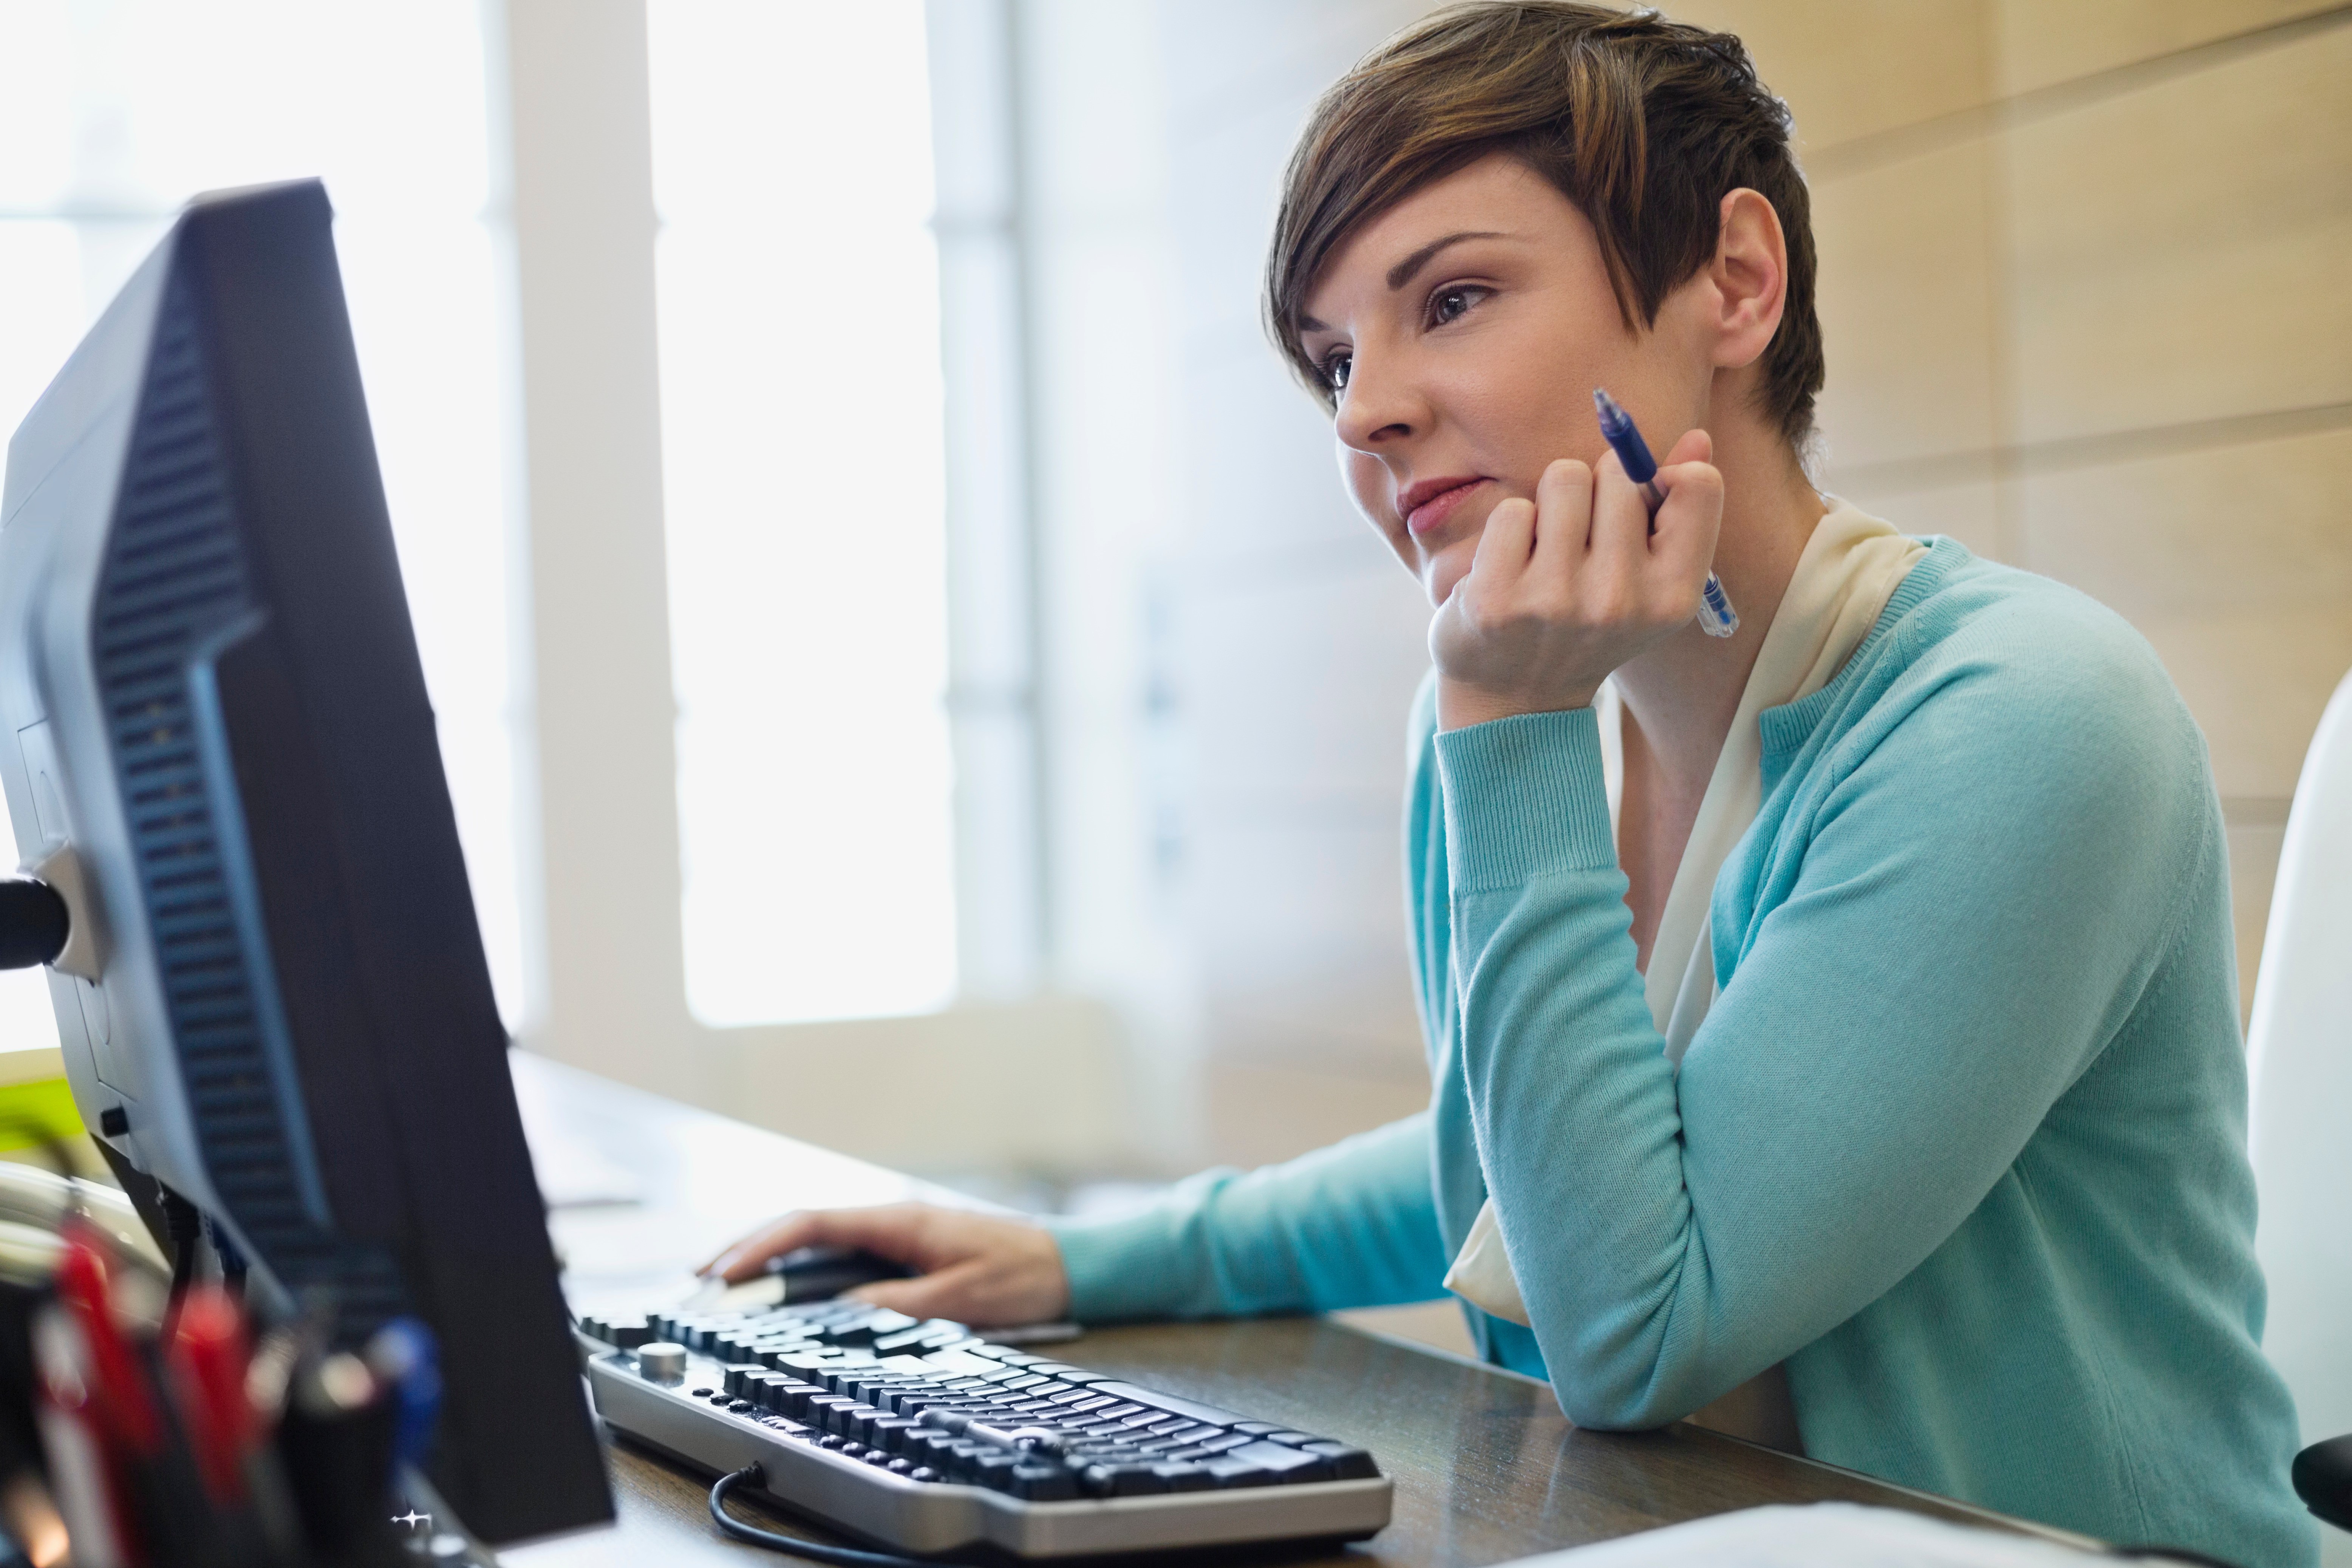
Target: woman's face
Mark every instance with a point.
(1464, 331)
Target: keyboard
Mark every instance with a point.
(927, 1438)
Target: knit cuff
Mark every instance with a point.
(1118, 1267)
(1524, 797)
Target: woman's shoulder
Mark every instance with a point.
(2005, 616)
(1994, 662)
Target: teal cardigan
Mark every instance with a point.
(1962, 1141)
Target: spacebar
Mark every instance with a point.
(1169, 1403)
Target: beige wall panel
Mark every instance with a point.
(1907, 308)
(2260, 526)
(1262, 1113)
(2253, 873)
(1849, 68)
(1968, 513)
(2257, 681)
(2237, 564)
(2177, 252)
(2038, 42)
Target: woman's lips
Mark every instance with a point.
(1437, 508)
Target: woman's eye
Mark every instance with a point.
(1336, 369)
(1449, 304)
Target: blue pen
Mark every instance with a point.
(1716, 618)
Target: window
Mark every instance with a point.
(803, 450)
(114, 111)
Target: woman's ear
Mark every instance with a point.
(1750, 278)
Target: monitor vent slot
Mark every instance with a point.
(174, 575)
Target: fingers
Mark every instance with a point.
(1013, 1273)
(1695, 446)
(952, 1292)
(1689, 521)
(925, 1296)
(1563, 519)
(742, 1259)
(891, 1230)
(1619, 530)
(1504, 545)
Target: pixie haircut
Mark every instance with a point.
(1643, 125)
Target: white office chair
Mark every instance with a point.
(2299, 1050)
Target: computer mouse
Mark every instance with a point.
(820, 1273)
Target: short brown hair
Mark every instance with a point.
(1643, 123)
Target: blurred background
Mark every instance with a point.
(908, 674)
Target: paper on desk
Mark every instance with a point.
(1821, 1535)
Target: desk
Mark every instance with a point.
(1485, 1465)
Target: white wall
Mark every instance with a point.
(1297, 641)
(1036, 1080)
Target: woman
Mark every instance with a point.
(1832, 1026)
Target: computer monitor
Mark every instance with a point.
(217, 741)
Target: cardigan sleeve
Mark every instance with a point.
(1354, 1225)
(1979, 898)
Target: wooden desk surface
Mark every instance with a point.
(1485, 1465)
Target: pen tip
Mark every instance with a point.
(1606, 405)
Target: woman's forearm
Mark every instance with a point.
(1350, 1225)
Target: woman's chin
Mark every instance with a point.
(1440, 580)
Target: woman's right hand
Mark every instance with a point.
(976, 1268)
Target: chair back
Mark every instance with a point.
(2299, 1048)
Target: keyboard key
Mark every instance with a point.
(1119, 1412)
(1255, 1428)
(1288, 1464)
(1107, 1453)
(1209, 1414)
(924, 1473)
(1224, 1471)
(994, 1468)
(1043, 1483)
(1182, 1477)
(1349, 1464)
(1293, 1440)
(889, 1432)
(1169, 1426)
(1124, 1481)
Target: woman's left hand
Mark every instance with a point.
(1566, 588)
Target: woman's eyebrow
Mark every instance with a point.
(1403, 271)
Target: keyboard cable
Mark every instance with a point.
(814, 1550)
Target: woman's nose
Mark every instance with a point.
(1375, 410)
